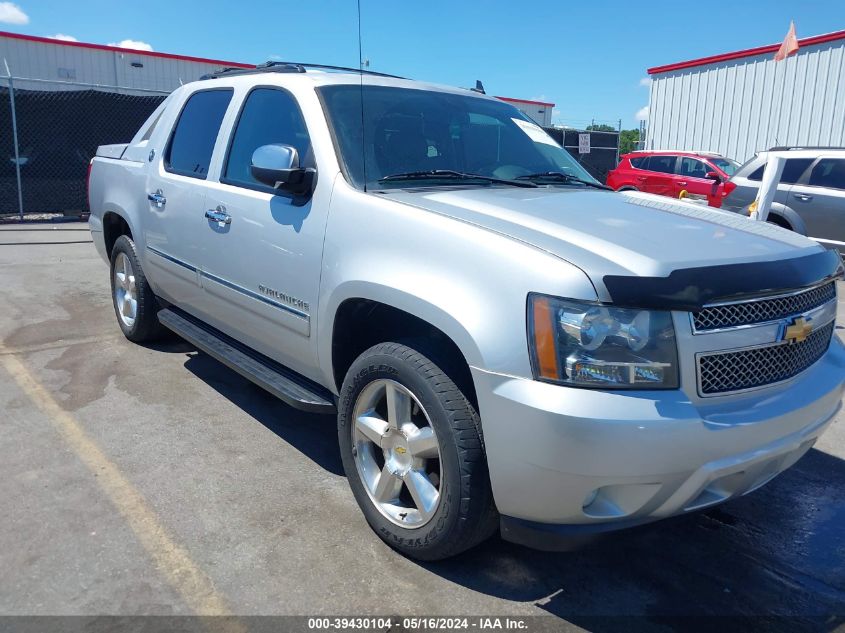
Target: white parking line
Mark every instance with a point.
(171, 559)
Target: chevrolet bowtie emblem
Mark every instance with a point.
(798, 331)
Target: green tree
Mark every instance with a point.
(628, 140)
(601, 127)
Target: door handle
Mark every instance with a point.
(682, 183)
(157, 198)
(803, 197)
(219, 215)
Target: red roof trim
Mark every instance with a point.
(749, 52)
(117, 49)
(510, 100)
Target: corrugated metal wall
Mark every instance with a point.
(542, 114)
(742, 106)
(75, 64)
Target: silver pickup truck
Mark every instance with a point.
(506, 345)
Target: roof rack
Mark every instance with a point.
(678, 151)
(288, 67)
(788, 148)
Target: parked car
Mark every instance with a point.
(810, 197)
(668, 173)
(504, 342)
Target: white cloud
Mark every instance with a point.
(646, 82)
(10, 13)
(642, 114)
(136, 45)
(63, 37)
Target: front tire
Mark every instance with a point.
(413, 454)
(134, 303)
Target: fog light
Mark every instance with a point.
(589, 370)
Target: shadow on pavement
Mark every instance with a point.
(773, 560)
(315, 436)
(778, 553)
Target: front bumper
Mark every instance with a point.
(567, 461)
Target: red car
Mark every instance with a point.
(669, 173)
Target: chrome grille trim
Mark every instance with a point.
(715, 317)
(750, 368)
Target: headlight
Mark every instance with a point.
(590, 345)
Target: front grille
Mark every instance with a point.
(771, 309)
(722, 372)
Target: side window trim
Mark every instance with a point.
(234, 130)
(672, 172)
(167, 146)
(680, 161)
(804, 177)
(677, 164)
(808, 173)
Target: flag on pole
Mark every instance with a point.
(789, 45)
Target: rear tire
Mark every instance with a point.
(413, 454)
(134, 303)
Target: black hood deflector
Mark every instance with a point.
(690, 289)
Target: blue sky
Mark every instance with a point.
(589, 58)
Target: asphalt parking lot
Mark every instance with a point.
(153, 480)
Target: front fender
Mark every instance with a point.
(452, 323)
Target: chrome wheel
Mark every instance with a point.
(125, 292)
(396, 453)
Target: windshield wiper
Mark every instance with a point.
(437, 174)
(559, 176)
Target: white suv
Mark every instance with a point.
(811, 195)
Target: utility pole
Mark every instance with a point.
(15, 138)
(618, 139)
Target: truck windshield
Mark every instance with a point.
(405, 131)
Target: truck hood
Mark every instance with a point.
(616, 234)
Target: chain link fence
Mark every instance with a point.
(49, 131)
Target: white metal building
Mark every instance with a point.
(539, 111)
(50, 63)
(743, 102)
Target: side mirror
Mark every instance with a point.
(277, 165)
(712, 175)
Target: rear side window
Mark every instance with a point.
(791, 171)
(269, 116)
(192, 143)
(639, 162)
(829, 172)
(663, 164)
(692, 168)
